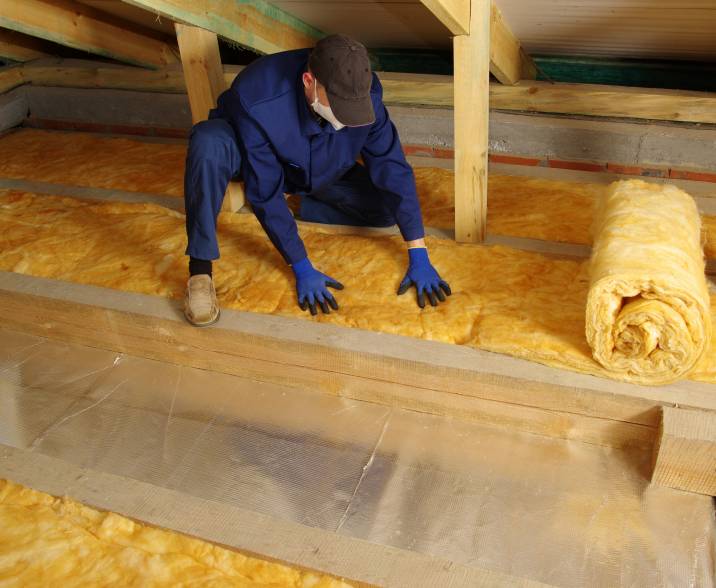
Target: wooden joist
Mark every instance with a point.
(685, 453)
(204, 78)
(15, 46)
(361, 563)
(420, 375)
(254, 24)
(83, 27)
(472, 93)
(425, 90)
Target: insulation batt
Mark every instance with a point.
(533, 208)
(48, 541)
(504, 300)
(648, 311)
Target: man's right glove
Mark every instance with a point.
(312, 287)
(424, 277)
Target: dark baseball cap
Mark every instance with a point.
(341, 64)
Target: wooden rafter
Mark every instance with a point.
(83, 27)
(454, 14)
(509, 62)
(15, 46)
(254, 24)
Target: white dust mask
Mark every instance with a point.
(324, 111)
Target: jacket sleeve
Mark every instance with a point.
(264, 181)
(391, 173)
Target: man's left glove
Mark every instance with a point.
(312, 287)
(425, 278)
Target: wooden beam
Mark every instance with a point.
(203, 72)
(204, 78)
(685, 454)
(426, 376)
(611, 101)
(361, 563)
(509, 62)
(86, 28)
(428, 90)
(454, 14)
(11, 77)
(544, 97)
(15, 46)
(92, 74)
(255, 24)
(472, 94)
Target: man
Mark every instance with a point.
(296, 122)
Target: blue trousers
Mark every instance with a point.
(213, 160)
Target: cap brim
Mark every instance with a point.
(352, 113)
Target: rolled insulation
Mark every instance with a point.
(648, 310)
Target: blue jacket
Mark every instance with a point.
(284, 149)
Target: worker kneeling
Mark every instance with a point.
(296, 122)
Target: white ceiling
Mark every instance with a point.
(666, 29)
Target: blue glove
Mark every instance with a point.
(311, 287)
(424, 277)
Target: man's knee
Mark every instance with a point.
(209, 136)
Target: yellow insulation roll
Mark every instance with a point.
(647, 317)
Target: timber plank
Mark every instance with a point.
(421, 375)
(298, 545)
(425, 90)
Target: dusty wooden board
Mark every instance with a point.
(427, 90)
(426, 376)
(685, 453)
(244, 530)
(85, 28)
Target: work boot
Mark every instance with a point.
(200, 306)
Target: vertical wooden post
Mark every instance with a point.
(204, 77)
(472, 95)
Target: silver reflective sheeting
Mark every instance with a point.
(561, 512)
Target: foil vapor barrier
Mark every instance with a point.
(556, 511)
